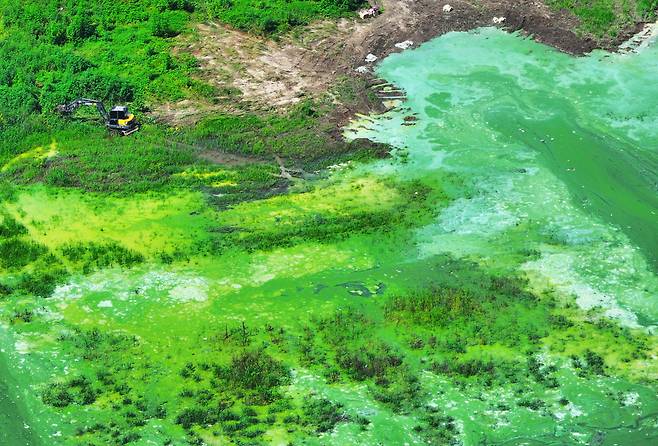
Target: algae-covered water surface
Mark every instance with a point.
(494, 282)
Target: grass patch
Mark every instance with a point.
(461, 301)
(93, 256)
(607, 18)
(16, 253)
(9, 227)
(267, 17)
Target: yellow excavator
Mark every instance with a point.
(117, 120)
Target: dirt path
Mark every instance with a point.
(250, 72)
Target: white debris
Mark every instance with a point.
(574, 411)
(105, 304)
(362, 69)
(371, 58)
(22, 347)
(369, 13)
(498, 20)
(404, 45)
(447, 8)
(631, 399)
(194, 290)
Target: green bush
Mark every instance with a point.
(168, 23)
(77, 390)
(16, 253)
(91, 256)
(42, 283)
(275, 16)
(257, 372)
(9, 227)
(373, 359)
(322, 414)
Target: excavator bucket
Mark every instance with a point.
(130, 132)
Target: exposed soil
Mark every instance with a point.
(251, 72)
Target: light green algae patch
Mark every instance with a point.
(147, 223)
(494, 282)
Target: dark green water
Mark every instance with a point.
(14, 431)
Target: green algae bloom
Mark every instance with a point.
(494, 282)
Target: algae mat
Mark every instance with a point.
(492, 283)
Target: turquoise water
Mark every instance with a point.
(560, 155)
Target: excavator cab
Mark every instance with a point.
(122, 121)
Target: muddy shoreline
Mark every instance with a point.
(260, 75)
(426, 21)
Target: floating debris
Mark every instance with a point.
(404, 45)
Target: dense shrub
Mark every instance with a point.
(100, 255)
(275, 16)
(9, 227)
(16, 253)
(257, 372)
(76, 390)
(322, 414)
(368, 361)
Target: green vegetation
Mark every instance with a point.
(16, 253)
(92, 256)
(275, 16)
(300, 134)
(10, 227)
(53, 53)
(606, 18)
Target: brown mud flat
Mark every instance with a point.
(256, 74)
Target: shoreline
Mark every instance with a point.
(276, 74)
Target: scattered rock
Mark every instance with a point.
(447, 8)
(371, 58)
(404, 45)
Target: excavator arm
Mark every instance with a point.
(73, 106)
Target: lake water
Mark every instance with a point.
(560, 155)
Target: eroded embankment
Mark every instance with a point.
(251, 72)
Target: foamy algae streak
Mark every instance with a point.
(494, 282)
